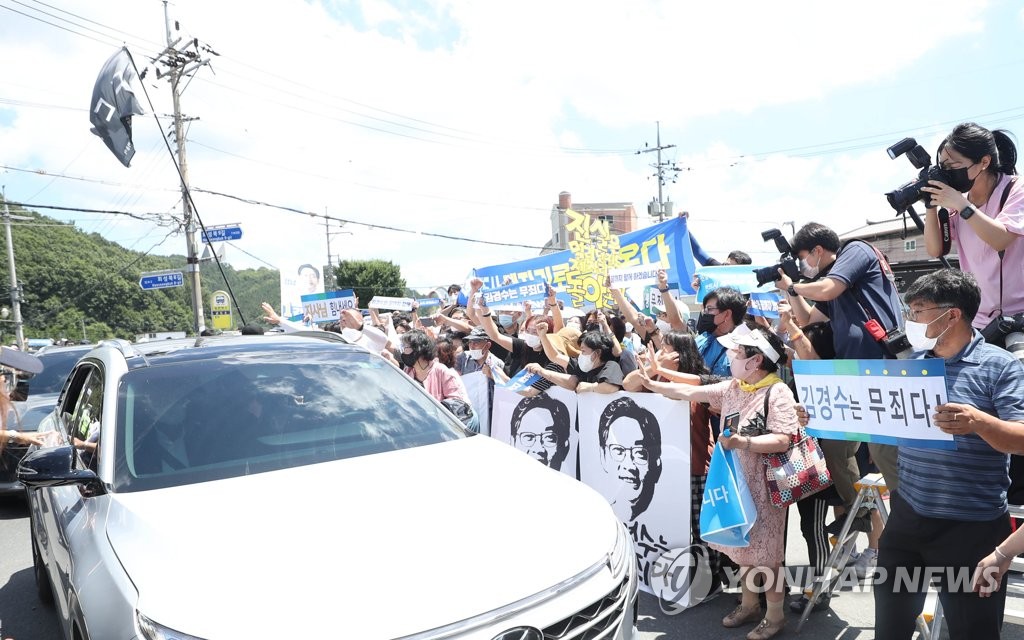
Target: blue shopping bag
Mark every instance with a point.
(728, 512)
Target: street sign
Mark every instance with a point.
(222, 233)
(220, 310)
(161, 280)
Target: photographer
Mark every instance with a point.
(855, 293)
(986, 215)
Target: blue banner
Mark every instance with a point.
(740, 277)
(728, 512)
(428, 302)
(580, 271)
(765, 305)
(519, 382)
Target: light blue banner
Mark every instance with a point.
(580, 271)
(728, 512)
(519, 382)
(740, 277)
(765, 305)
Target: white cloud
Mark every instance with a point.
(482, 117)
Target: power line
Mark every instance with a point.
(365, 224)
(145, 217)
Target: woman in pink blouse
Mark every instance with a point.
(419, 360)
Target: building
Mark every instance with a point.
(902, 243)
(620, 215)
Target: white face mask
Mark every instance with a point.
(476, 354)
(738, 368)
(663, 326)
(532, 340)
(917, 334)
(807, 269)
(586, 362)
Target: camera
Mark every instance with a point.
(787, 262)
(902, 198)
(894, 342)
(1007, 332)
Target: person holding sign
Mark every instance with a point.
(755, 358)
(595, 369)
(951, 510)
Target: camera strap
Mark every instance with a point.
(945, 231)
(883, 265)
(1002, 203)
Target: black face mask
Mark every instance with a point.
(409, 359)
(706, 323)
(958, 179)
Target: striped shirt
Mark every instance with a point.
(970, 482)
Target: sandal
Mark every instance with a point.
(766, 629)
(741, 616)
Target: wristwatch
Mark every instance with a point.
(665, 290)
(792, 291)
(967, 212)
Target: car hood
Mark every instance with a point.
(378, 546)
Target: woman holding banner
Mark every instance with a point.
(760, 413)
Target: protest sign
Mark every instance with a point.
(327, 307)
(593, 250)
(884, 401)
(740, 277)
(542, 426)
(634, 449)
(477, 388)
(520, 381)
(765, 305)
(396, 304)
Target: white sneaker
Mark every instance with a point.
(850, 545)
(865, 563)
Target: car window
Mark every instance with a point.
(56, 367)
(68, 403)
(85, 424)
(189, 422)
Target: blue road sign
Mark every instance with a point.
(220, 234)
(166, 280)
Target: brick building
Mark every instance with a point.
(903, 246)
(620, 215)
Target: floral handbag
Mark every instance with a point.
(797, 473)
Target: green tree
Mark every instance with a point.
(369, 278)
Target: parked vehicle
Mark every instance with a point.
(293, 487)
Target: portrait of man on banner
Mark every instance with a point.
(543, 426)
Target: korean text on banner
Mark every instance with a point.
(397, 304)
(581, 270)
(740, 277)
(884, 401)
(640, 275)
(765, 305)
(327, 307)
(515, 294)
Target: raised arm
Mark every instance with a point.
(671, 310)
(627, 310)
(553, 354)
(556, 312)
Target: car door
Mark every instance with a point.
(58, 510)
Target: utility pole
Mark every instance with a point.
(657, 208)
(19, 330)
(330, 284)
(180, 64)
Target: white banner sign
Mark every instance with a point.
(543, 427)
(479, 396)
(885, 401)
(397, 304)
(638, 276)
(635, 451)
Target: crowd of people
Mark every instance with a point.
(948, 507)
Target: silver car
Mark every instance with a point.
(293, 487)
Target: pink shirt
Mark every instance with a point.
(979, 258)
(442, 382)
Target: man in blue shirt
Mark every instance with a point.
(723, 311)
(951, 508)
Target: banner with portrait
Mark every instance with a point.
(635, 451)
(543, 426)
(594, 251)
(297, 281)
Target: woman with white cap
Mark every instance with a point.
(760, 413)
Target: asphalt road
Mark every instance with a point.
(851, 616)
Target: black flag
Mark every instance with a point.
(114, 104)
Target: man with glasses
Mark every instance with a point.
(723, 310)
(630, 441)
(540, 428)
(951, 509)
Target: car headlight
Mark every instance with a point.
(621, 552)
(149, 630)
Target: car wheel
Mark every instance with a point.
(43, 588)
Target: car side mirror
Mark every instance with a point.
(55, 467)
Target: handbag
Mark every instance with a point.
(796, 473)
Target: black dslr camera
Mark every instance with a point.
(902, 198)
(787, 262)
(1007, 332)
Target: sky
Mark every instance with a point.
(468, 118)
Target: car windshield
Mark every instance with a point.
(197, 421)
(56, 367)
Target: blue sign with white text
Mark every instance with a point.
(152, 281)
(220, 234)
